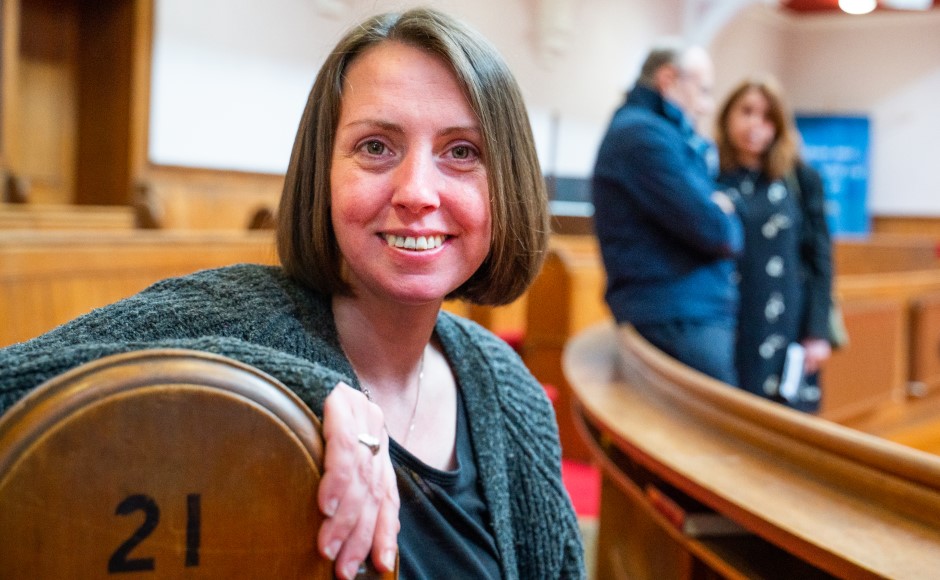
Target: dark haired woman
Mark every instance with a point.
(785, 270)
(413, 179)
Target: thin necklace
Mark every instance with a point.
(414, 410)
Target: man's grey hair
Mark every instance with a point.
(666, 51)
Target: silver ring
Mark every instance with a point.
(371, 442)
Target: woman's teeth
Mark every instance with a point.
(413, 243)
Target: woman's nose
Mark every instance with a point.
(417, 183)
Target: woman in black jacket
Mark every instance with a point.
(785, 271)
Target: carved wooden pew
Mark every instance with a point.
(30, 216)
(703, 480)
(884, 253)
(48, 278)
(221, 461)
(889, 329)
(198, 199)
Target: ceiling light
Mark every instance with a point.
(857, 6)
(908, 4)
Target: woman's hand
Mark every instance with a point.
(818, 351)
(358, 493)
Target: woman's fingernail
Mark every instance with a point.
(388, 559)
(351, 570)
(331, 550)
(330, 509)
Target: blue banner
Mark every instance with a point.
(837, 147)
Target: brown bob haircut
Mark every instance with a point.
(783, 153)
(306, 241)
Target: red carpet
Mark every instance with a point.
(583, 483)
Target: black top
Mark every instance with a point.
(445, 530)
(776, 282)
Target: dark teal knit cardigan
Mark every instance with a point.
(259, 316)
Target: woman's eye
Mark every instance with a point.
(374, 147)
(462, 152)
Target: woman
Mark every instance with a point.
(413, 179)
(785, 270)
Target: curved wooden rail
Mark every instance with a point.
(805, 497)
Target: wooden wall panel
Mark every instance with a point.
(104, 69)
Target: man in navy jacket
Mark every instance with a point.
(667, 237)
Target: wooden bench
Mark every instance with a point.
(29, 216)
(925, 340)
(703, 480)
(178, 198)
(48, 278)
(221, 460)
(884, 253)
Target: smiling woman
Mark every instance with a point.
(413, 179)
(407, 166)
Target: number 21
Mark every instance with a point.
(119, 561)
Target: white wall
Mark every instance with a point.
(752, 44)
(883, 65)
(230, 78)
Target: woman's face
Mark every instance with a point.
(410, 200)
(750, 128)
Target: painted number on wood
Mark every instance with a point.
(121, 561)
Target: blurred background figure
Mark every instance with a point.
(786, 267)
(667, 237)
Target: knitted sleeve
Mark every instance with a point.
(545, 529)
(550, 540)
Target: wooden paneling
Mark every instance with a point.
(925, 338)
(104, 65)
(907, 225)
(884, 253)
(202, 199)
(74, 97)
(872, 370)
(46, 120)
(48, 278)
(65, 217)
